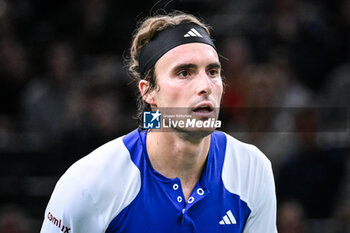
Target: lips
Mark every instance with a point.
(204, 107)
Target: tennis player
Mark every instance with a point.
(183, 179)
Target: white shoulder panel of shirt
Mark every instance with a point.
(247, 172)
(93, 191)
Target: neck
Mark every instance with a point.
(173, 155)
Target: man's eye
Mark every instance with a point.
(183, 74)
(213, 72)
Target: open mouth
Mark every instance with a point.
(203, 109)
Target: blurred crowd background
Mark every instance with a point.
(64, 90)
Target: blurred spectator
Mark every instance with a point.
(95, 26)
(300, 26)
(291, 218)
(14, 73)
(15, 220)
(93, 121)
(98, 111)
(268, 91)
(235, 61)
(45, 99)
(311, 175)
(236, 53)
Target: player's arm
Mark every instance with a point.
(71, 209)
(263, 216)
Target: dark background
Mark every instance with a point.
(64, 90)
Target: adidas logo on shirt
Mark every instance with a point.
(228, 219)
(193, 33)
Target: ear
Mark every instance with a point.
(147, 97)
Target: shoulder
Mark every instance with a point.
(96, 188)
(107, 173)
(244, 155)
(109, 160)
(247, 172)
(245, 169)
(245, 151)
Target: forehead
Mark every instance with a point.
(191, 53)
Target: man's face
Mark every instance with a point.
(188, 77)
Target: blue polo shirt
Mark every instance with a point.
(115, 189)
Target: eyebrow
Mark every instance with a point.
(193, 66)
(214, 65)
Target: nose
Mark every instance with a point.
(204, 84)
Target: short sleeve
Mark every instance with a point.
(71, 209)
(263, 216)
